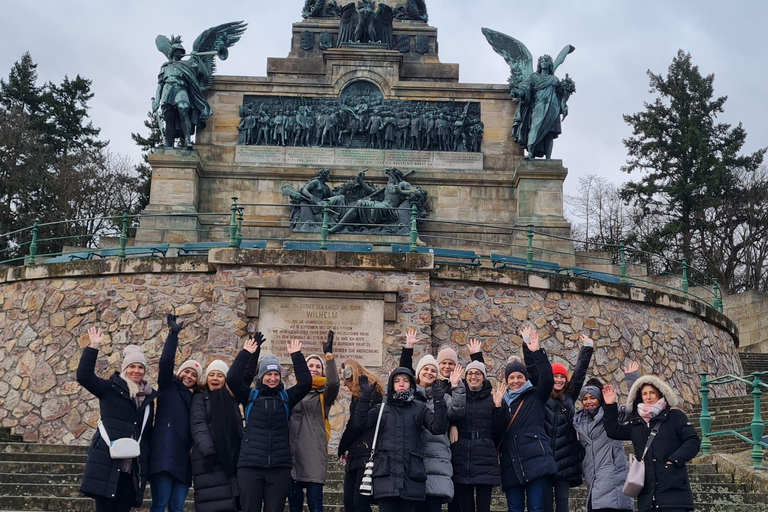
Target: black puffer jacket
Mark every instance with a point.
(266, 440)
(121, 418)
(398, 470)
(356, 443)
(215, 491)
(676, 443)
(525, 452)
(474, 457)
(558, 419)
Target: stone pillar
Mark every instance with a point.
(539, 188)
(175, 190)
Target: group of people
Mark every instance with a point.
(433, 434)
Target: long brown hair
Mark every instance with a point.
(357, 371)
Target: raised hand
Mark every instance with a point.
(96, 337)
(498, 394)
(474, 346)
(633, 366)
(531, 338)
(251, 345)
(585, 339)
(259, 338)
(410, 337)
(293, 347)
(175, 327)
(609, 394)
(438, 390)
(456, 375)
(328, 345)
(366, 389)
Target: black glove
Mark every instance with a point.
(328, 345)
(259, 338)
(366, 390)
(175, 327)
(438, 390)
(209, 463)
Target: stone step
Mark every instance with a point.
(43, 448)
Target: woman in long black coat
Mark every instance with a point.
(399, 475)
(355, 444)
(652, 405)
(217, 428)
(117, 485)
(527, 461)
(169, 472)
(558, 418)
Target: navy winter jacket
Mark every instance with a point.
(474, 457)
(171, 438)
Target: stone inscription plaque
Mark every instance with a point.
(358, 158)
(358, 324)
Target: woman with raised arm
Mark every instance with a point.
(651, 405)
(474, 458)
(169, 471)
(310, 430)
(558, 420)
(399, 475)
(126, 411)
(217, 429)
(605, 465)
(264, 465)
(355, 443)
(527, 462)
(437, 450)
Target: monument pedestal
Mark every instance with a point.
(171, 215)
(539, 186)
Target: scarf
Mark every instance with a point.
(510, 396)
(403, 396)
(648, 412)
(318, 383)
(226, 428)
(143, 390)
(593, 411)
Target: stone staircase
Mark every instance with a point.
(36, 477)
(734, 412)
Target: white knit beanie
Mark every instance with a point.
(321, 359)
(477, 365)
(133, 354)
(424, 361)
(217, 365)
(447, 353)
(194, 365)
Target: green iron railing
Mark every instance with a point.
(229, 227)
(756, 426)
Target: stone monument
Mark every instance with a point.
(362, 87)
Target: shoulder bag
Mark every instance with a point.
(125, 447)
(636, 474)
(366, 484)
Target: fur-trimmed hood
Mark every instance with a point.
(673, 400)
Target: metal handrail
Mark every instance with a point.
(756, 426)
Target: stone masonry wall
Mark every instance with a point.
(666, 342)
(44, 322)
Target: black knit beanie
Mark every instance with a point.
(515, 367)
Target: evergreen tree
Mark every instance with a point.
(689, 161)
(147, 144)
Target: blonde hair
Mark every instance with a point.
(357, 371)
(133, 388)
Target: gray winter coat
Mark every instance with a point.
(437, 448)
(309, 444)
(604, 466)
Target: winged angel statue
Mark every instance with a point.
(360, 23)
(181, 83)
(541, 97)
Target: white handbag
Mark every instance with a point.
(366, 484)
(635, 481)
(125, 447)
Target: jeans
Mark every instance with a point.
(556, 501)
(167, 493)
(533, 491)
(314, 497)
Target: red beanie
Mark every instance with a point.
(558, 368)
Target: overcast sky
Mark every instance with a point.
(112, 43)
